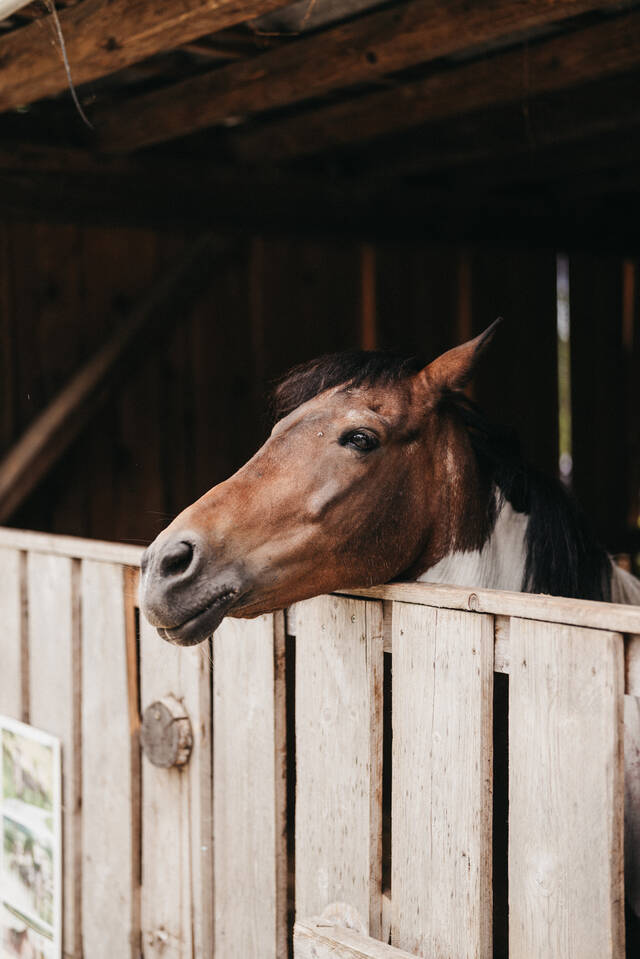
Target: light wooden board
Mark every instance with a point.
(249, 789)
(317, 939)
(176, 907)
(11, 703)
(632, 801)
(339, 666)
(73, 546)
(566, 891)
(441, 792)
(54, 694)
(550, 609)
(109, 817)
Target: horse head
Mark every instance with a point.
(364, 478)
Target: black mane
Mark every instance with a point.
(564, 557)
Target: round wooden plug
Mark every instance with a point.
(166, 735)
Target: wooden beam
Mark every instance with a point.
(44, 442)
(103, 36)
(517, 76)
(596, 113)
(8, 7)
(135, 194)
(358, 52)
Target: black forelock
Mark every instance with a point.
(355, 368)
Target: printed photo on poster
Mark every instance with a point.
(30, 854)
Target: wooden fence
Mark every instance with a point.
(214, 858)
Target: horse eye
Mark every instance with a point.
(360, 440)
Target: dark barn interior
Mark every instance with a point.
(260, 184)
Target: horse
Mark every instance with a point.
(379, 468)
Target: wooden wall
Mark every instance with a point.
(195, 407)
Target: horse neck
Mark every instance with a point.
(499, 563)
(625, 588)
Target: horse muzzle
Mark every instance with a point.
(182, 593)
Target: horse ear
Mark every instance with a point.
(454, 369)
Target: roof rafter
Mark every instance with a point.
(362, 50)
(519, 75)
(103, 36)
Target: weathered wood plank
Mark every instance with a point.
(632, 799)
(249, 794)
(176, 908)
(590, 53)
(71, 546)
(360, 51)
(54, 682)
(442, 771)
(110, 921)
(339, 667)
(566, 895)
(317, 939)
(12, 702)
(106, 37)
(551, 609)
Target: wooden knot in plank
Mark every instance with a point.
(166, 733)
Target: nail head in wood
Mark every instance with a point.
(166, 733)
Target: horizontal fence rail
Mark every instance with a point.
(347, 759)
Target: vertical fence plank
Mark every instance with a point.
(339, 672)
(176, 809)
(566, 891)
(109, 815)
(249, 789)
(441, 791)
(54, 694)
(11, 683)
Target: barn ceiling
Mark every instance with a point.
(453, 119)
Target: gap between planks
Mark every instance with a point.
(501, 661)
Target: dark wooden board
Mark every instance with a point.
(599, 395)
(517, 382)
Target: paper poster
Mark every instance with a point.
(30, 857)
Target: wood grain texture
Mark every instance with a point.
(176, 908)
(442, 772)
(72, 546)
(520, 74)
(339, 667)
(359, 51)
(566, 896)
(104, 37)
(552, 609)
(109, 816)
(54, 655)
(11, 699)
(632, 800)
(317, 939)
(249, 792)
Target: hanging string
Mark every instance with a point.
(50, 4)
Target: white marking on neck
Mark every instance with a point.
(625, 588)
(500, 564)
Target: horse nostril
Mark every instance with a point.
(177, 559)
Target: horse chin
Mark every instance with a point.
(201, 624)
